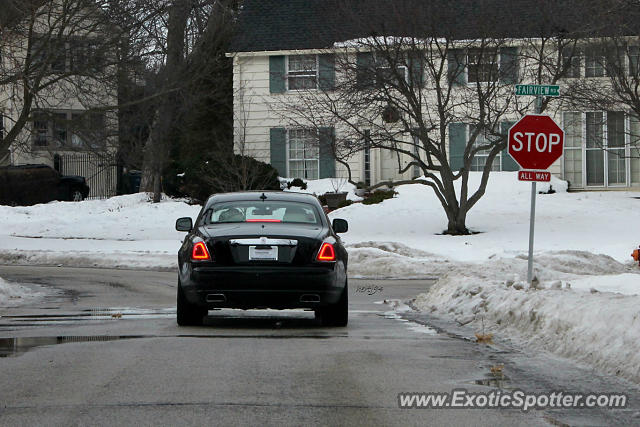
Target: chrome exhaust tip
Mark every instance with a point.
(310, 298)
(216, 298)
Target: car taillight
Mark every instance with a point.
(326, 253)
(200, 252)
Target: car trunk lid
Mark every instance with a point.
(263, 243)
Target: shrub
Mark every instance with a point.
(297, 182)
(220, 175)
(344, 203)
(323, 200)
(378, 196)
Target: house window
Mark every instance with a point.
(572, 123)
(58, 57)
(594, 63)
(599, 149)
(482, 66)
(85, 56)
(571, 63)
(386, 75)
(38, 52)
(594, 145)
(302, 72)
(69, 129)
(479, 160)
(616, 159)
(79, 55)
(304, 155)
(60, 126)
(40, 130)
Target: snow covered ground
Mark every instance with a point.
(124, 231)
(585, 307)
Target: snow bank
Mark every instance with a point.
(380, 260)
(599, 325)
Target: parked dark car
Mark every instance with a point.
(262, 250)
(32, 184)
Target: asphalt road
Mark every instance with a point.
(103, 348)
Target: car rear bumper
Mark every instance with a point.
(264, 287)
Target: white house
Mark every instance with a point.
(66, 126)
(284, 49)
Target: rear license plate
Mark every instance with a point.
(263, 254)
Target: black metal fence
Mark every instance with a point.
(100, 171)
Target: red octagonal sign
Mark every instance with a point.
(535, 142)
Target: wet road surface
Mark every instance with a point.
(102, 347)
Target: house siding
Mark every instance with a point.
(257, 109)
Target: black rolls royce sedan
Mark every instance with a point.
(262, 250)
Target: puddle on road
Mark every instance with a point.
(94, 314)
(17, 346)
(411, 324)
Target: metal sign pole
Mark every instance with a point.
(532, 215)
(532, 223)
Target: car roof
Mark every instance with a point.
(270, 195)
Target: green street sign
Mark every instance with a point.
(538, 90)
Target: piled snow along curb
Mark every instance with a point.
(591, 325)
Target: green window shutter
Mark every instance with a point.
(457, 144)
(508, 164)
(327, 71)
(276, 74)
(634, 56)
(456, 67)
(416, 67)
(364, 69)
(509, 65)
(278, 144)
(327, 160)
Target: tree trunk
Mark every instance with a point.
(456, 221)
(157, 186)
(156, 151)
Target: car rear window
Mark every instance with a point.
(262, 211)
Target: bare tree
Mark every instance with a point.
(610, 57)
(52, 52)
(415, 87)
(196, 34)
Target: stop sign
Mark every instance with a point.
(535, 142)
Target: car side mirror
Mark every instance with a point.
(184, 224)
(340, 225)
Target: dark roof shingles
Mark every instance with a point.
(269, 25)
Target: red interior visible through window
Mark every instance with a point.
(264, 220)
